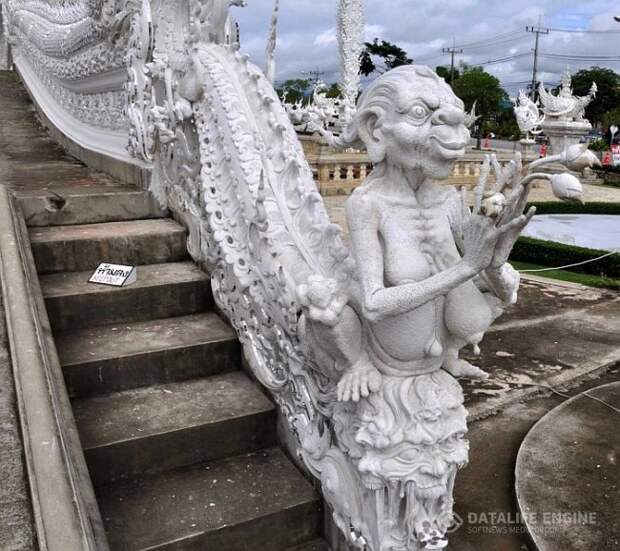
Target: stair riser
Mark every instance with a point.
(83, 254)
(180, 448)
(277, 532)
(154, 368)
(90, 209)
(128, 305)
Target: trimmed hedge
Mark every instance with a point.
(561, 207)
(552, 254)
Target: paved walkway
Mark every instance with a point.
(568, 466)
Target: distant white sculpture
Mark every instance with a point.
(566, 106)
(565, 123)
(529, 116)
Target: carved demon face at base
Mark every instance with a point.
(410, 118)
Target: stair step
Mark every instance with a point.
(163, 427)
(82, 247)
(125, 356)
(315, 545)
(252, 502)
(161, 291)
(87, 205)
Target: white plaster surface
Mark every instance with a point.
(595, 231)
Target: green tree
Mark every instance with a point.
(612, 117)
(333, 91)
(607, 96)
(390, 54)
(445, 73)
(475, 84)
(295, 89)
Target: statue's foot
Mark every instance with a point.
(460, 368)
(359, 381)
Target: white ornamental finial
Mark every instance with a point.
(351, 43)
(271, 43)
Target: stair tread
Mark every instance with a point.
(65, 284)
(144, 412)
(127, 339)
(104, 230)
(186, 503)
(315, 545)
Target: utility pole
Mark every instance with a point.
(315, 75)
(537, 31)
(452, 51)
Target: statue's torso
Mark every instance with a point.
(417, 244)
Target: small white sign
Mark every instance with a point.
(117, 275)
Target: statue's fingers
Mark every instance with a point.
(481, 185)
(513, 224)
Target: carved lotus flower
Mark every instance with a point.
(567, 188)
(578, 156)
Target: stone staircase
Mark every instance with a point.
(180, 443)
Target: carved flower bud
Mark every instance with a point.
(322, 299)
(578, 156)
(493, 206)
(567, 188)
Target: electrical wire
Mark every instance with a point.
(584, 31)
(571, 265)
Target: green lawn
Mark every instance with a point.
(565, 275)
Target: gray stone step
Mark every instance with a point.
(161, 291)
(87, 205)
(126, 356)
(167, 426)
(315, 545)
(82, 247)
(256, 502)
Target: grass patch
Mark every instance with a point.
(566, 275)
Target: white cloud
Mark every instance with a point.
(307, 34)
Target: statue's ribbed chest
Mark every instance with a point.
(418, 241)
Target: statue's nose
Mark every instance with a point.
(448, 114)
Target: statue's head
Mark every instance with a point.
(411, 118)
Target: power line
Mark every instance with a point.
(583, 31)
(501, 36)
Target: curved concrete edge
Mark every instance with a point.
(101, 149)
(520, 471)
(66, 513)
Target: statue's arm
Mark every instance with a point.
(379, 302)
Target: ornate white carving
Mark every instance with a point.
(566, 106)
(358, 348)
(528, 114)
(270, 71)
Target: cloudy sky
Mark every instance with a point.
(488, 30)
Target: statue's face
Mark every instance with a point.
(425, 130)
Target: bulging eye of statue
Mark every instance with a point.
(419, 113)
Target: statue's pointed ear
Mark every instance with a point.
(371, 133)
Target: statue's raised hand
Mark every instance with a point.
(486, 242)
